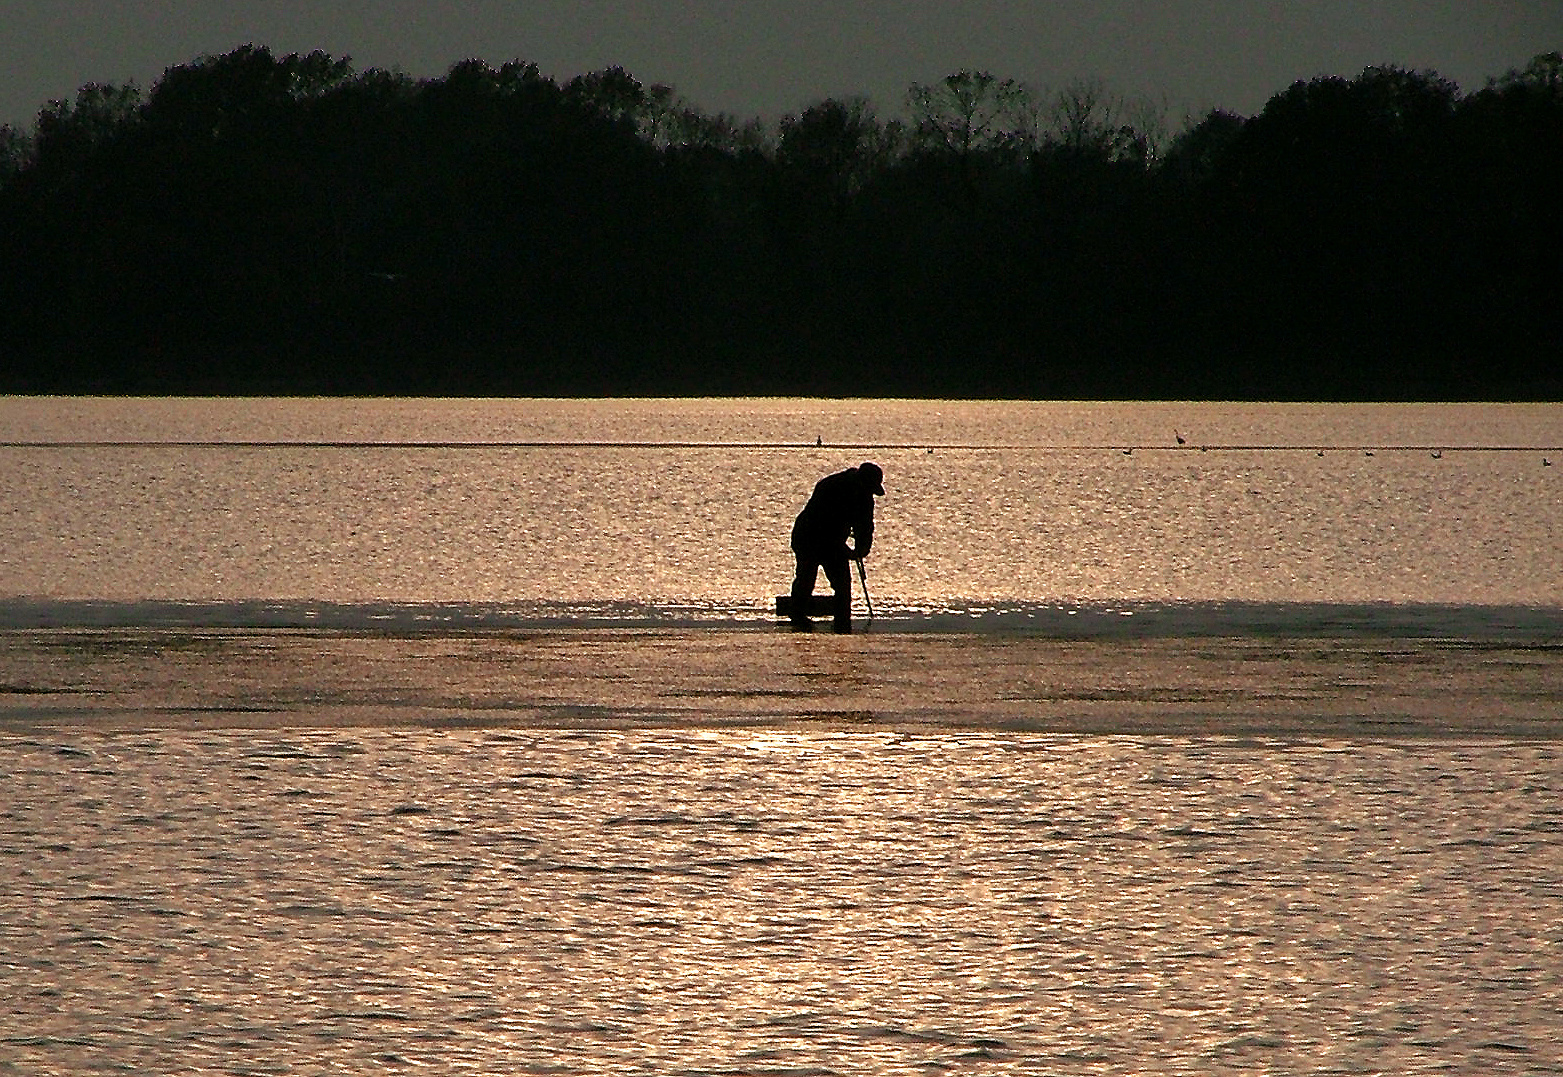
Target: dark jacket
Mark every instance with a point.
(841, 505)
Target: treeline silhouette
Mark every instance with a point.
(269, 224)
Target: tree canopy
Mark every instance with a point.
(264, 223)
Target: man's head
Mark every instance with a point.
(872, 477)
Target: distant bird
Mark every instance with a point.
(1320, 453)
(1545, 462)
(1128, 452)
(1179, 437)
(1438, 454)
(819, 440)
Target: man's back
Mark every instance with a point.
(840, 505)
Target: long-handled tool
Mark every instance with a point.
(863, 579)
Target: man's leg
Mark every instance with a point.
(840, 577)
(803, 589)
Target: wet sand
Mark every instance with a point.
(115, 679)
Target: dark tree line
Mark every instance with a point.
(257, 223)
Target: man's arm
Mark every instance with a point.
(863, 534)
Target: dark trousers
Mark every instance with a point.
(837, 572)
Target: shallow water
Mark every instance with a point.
(1313, 687)
(778, 902)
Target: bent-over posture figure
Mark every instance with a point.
(841, 507)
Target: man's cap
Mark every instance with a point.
(874, 476)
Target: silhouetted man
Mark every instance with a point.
(841, 506)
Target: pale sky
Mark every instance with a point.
(772, 57)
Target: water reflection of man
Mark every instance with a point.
(841, 507)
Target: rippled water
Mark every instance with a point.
(773, 902)
(690, 502)
(456, 737)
